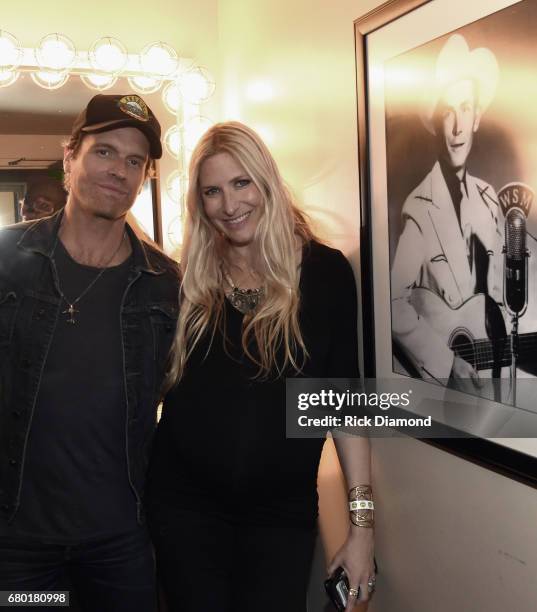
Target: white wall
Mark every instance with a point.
(302, 53)
(451, 536)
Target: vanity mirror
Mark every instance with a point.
(42, 89)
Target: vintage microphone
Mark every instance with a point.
(516, 265)
(515, 288)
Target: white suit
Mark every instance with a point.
(435, 253)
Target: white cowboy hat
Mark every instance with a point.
(456, 62)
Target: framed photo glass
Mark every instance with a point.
(448, 168)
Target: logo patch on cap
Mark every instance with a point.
(135, 107)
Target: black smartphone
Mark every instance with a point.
(337, 589)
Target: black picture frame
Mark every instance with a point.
(486, 453)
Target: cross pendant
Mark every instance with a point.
(71, 312)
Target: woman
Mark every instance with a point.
(232, 502)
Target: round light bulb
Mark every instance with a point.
(171, 96)
(108, 54)
(55, 52)
(50, 80)
(185, 64)
(197, 85)
(176, 186)
(172, 141)
(10, 51)
(194, 129)
(159, 58)
(145, 84)
(100, 82)
(175, 231)
(8, 77)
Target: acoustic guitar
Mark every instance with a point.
(475, 331)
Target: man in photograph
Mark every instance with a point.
(87, 318)
(451, 241)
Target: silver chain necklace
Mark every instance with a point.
(71, 310)
(244, 300)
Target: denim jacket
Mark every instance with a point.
(30, 304)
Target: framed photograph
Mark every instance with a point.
(448, 169)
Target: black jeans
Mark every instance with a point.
(210, 564)
(115, 574)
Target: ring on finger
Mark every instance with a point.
(354, 592)
(371, 584)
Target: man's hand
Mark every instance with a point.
(465, 376)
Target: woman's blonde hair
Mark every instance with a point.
(281, 231)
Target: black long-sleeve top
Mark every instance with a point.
(221, 444)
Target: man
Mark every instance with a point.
(43, 198)
(87, 315)
(451, 240)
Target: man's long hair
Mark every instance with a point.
(281, 231)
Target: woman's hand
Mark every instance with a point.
(356, 558)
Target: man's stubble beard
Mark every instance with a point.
(97, 205)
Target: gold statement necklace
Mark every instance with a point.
(71, 310)
(244, 300)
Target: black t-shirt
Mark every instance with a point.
(221, 445)
(75, 483)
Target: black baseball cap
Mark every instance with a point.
(109, 112)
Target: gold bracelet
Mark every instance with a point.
(361, 506)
